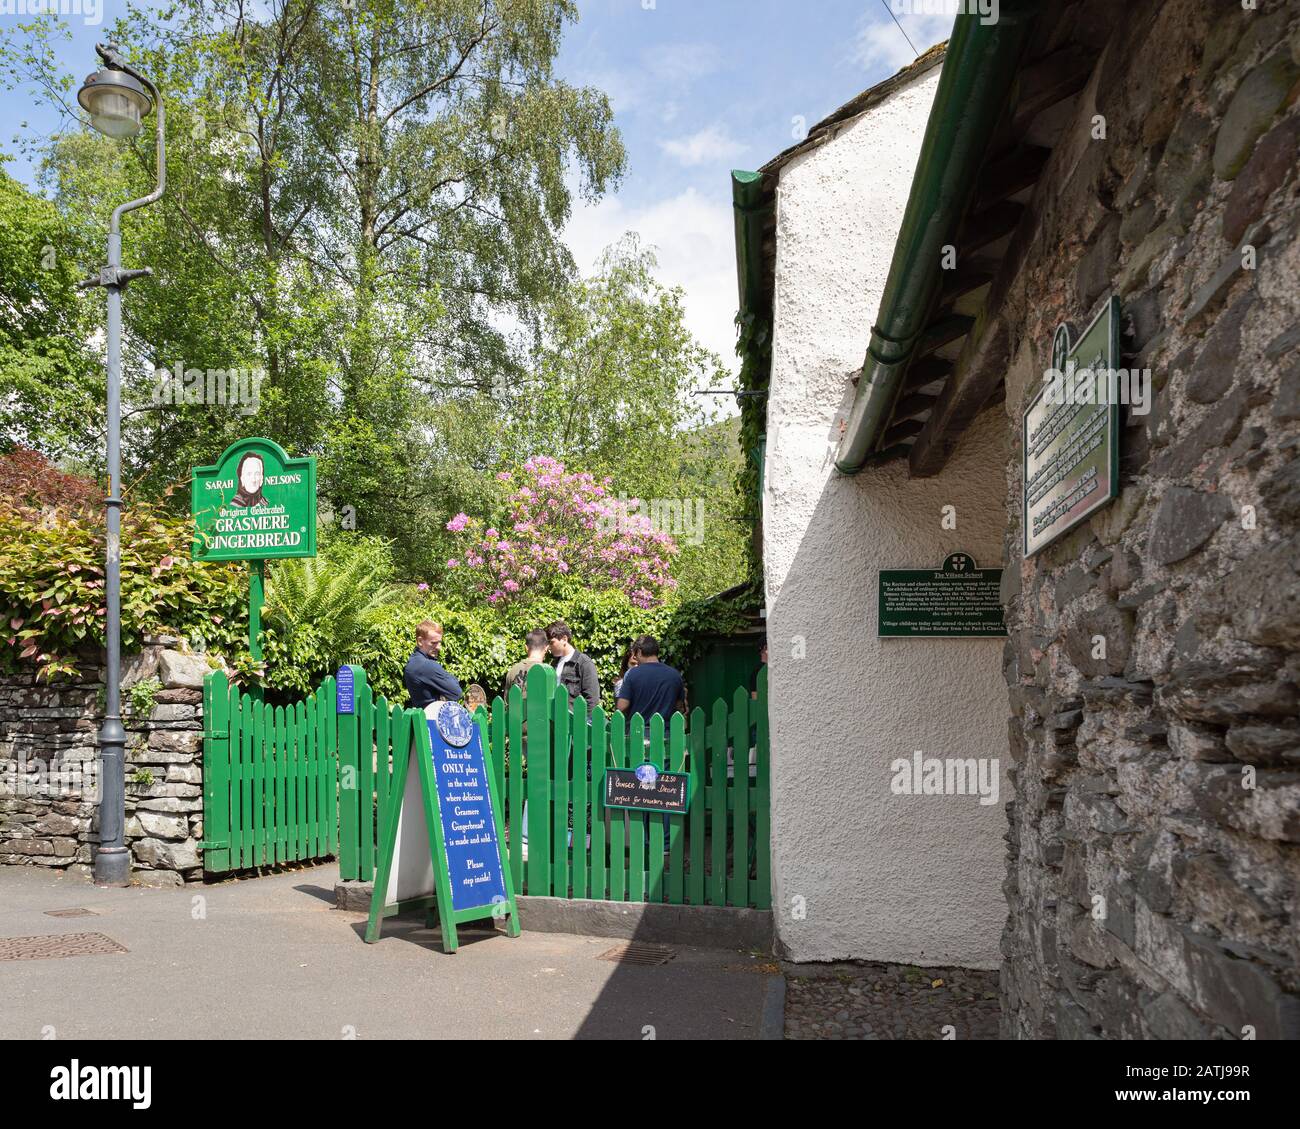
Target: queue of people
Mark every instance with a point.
(646, 685)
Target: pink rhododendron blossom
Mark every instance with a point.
(564, 525)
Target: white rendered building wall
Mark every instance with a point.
(860, 872)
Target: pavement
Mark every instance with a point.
(270, 957)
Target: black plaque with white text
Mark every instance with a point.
(635, 789)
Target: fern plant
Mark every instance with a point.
(320, 611)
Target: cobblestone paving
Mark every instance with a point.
(867, 1000)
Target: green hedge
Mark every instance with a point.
(51, 598)
(480, 644)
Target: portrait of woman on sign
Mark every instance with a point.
(251, 472)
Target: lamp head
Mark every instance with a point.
(116, 101)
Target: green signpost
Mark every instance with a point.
(957, 600)
(254, 504)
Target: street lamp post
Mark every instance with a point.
(117, 97)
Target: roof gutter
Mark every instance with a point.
(974, 86)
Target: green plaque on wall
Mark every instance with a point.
(957, 600)
(256, 503)
(1070, 434)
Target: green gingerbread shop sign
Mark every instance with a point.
(256, 503)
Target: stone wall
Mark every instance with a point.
(48, 768)
(1154, 861)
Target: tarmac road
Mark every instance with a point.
(271, 958)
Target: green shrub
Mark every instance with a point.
(141, 696)
(686, 634)
(479, 644)
(321, 612)
(52, 584)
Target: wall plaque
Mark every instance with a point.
(957, 600)
(1070, 433)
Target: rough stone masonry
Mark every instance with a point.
(48, 760)
(1155, 835)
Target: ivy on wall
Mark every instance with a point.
(754, 347)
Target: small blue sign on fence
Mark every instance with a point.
(344, 699)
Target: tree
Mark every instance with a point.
(51, 387)
(611, 390)
(359, 195)
(365, 202)
(615, 375)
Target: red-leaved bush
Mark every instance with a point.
(52, 547)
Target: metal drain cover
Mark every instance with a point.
(78, 911)
(637, 952)
(58, 945)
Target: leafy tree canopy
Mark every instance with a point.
(364, 206)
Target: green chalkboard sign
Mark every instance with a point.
(957, 600)
(255, 503)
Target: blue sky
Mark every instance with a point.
(699, 87)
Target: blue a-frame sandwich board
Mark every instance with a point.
(414, 870)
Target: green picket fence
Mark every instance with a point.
(300, 782)
(269, 778)
(368, 738)
(717, 854)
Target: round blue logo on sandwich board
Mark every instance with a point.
(647, 774)
(455, 724)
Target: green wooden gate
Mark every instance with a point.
(301, 782)
(269, 778)
(367, 739)
(717, 854)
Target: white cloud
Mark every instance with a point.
(710, 144)
(653, 85)
(693, 236)
(678, 64)
(879, 44)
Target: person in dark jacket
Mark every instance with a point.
(574, 670)
(426, 679)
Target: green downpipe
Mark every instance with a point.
(746, 197)
(979, 70)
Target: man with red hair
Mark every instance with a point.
(426, 679)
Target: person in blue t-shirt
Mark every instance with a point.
(651, 687)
